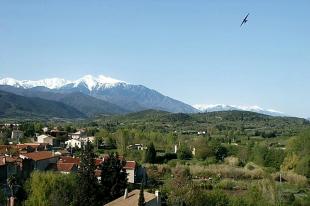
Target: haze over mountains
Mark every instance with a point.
(89, 96)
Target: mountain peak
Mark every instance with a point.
(224, 107)
(90, 82)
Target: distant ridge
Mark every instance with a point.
(224, 107)
(12, 105)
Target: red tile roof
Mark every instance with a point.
(65, 167)
(76, 160)
(66, 159)
(38, 155)
(22, 146)
(131, 165)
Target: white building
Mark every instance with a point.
(45, 139)
(78, 135)
(74, 143)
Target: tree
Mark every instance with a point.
(28, 129)
(122, 141)
(5, 135)
(150, 154)
(141, 196)
(50, 189)
(88, 185)
(11, 183)
(219, 151)
(203, 150)
(113, 178)
(184, 152)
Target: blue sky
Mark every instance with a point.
(193, 51)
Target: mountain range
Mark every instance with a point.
(100, 95)
(95, 95)
(224, 107)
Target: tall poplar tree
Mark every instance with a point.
(87, 191)
(113, 178)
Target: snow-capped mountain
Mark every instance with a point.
(127, 96)
(89, 81)
(224, 107)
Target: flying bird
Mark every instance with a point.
(245, 19)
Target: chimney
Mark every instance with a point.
(158, 199)
(126, 193)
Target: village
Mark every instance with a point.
(46, 153)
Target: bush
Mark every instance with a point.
(184, 153)
(172, 163)
(227, 184)
(232, 161)
(226, 171)
(303, 166)
(292, 178)
(166, 157)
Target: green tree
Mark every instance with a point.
(28, 129)
(122, 137)
(11, 183)
(203, 149)
(184, 152)
(113, 178)
(5, 135)
(86, 193)
(150, 154)
(219, 151)
(38, 127)
(141, 196)
(50, 189)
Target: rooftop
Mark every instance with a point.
(38, 155)
(132, 199)
(65, 167)
(130, 165)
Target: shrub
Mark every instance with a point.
(232, 161)
(303, 166)
(227, 184)
(292, 178)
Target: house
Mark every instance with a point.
(132, 199)
(136, 147)
(79, 134)
(39, 160)
(91, 139)
(131, 169)
(66, 168)
(46, 139)
(74, 143)
(79, 142)
(31, 147)
(57, 133)
(17, 134)
(67, 159)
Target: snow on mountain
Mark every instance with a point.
(101, 81)
(89, 81)
(224, 107)
(129, 97)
